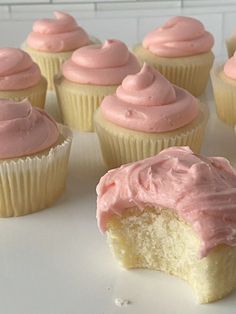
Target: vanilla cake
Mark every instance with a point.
(174, 212)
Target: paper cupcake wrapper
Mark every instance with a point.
(35, 94)
(34, 183)
(224, 91)
(190, 73)
(78, 103)
(120, 146)
(231, 46)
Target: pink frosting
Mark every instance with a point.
(148, 102)
(24, 130)
(230, 67)
(105, 64)
(57, 35)
(179, 37)
(17, 70)
(201, 190)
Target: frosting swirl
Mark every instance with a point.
(57, 35)
(105, 64)
(179, 37)
(230, 67)
(201, 190)
(24, 130)
(17, 70)
(148, 102)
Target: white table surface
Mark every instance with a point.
(57, 262)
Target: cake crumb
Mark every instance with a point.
(121, 302)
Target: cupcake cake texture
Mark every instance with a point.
(145, 115)
(181, 51)
(21, 78)
(174, 212)
(88, 76)
(34, 154)
(52, 41)
(223, 79)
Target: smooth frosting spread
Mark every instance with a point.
(17, 70)
(57, 35)
(24, 130)
(148, 102)
(179, 37)
(201, 190)
(230, 67)
(106, 64)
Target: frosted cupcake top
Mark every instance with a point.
(57, 35)
(179, 37)
(105, 64)
(148, 102)
(24, 130)
(230, 67)
(201, 190)
(17, 70)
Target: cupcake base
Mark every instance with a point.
(224, 90)
(190, 73)
(120, 145)
(35, 94)
(78, 102)
(231, 46)
(33, 183)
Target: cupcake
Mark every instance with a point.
(88, 76)
(52, 41)
(34, 155)
(20, 77)
(223, 79)
(174, 212)
(181, 51)
(145, 115)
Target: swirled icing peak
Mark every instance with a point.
(57, 35)
(24, 130)
(230, 67)
(201, 190)
(179, 37)
(148, 102)
(105, 64)
(17, 70)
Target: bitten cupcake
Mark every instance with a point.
(181, 51)
(20, 77)
(145, 115)
(223, 79)
(88, 76)
(52, 41)
(174, 212)
(34, 153)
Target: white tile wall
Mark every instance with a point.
(128, 20)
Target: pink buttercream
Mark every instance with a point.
(105, 64)
(24, 130)
(148, 102)
(17, 70)
(179, 37)
(57, 35)
(230, 67)
(201, 190)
